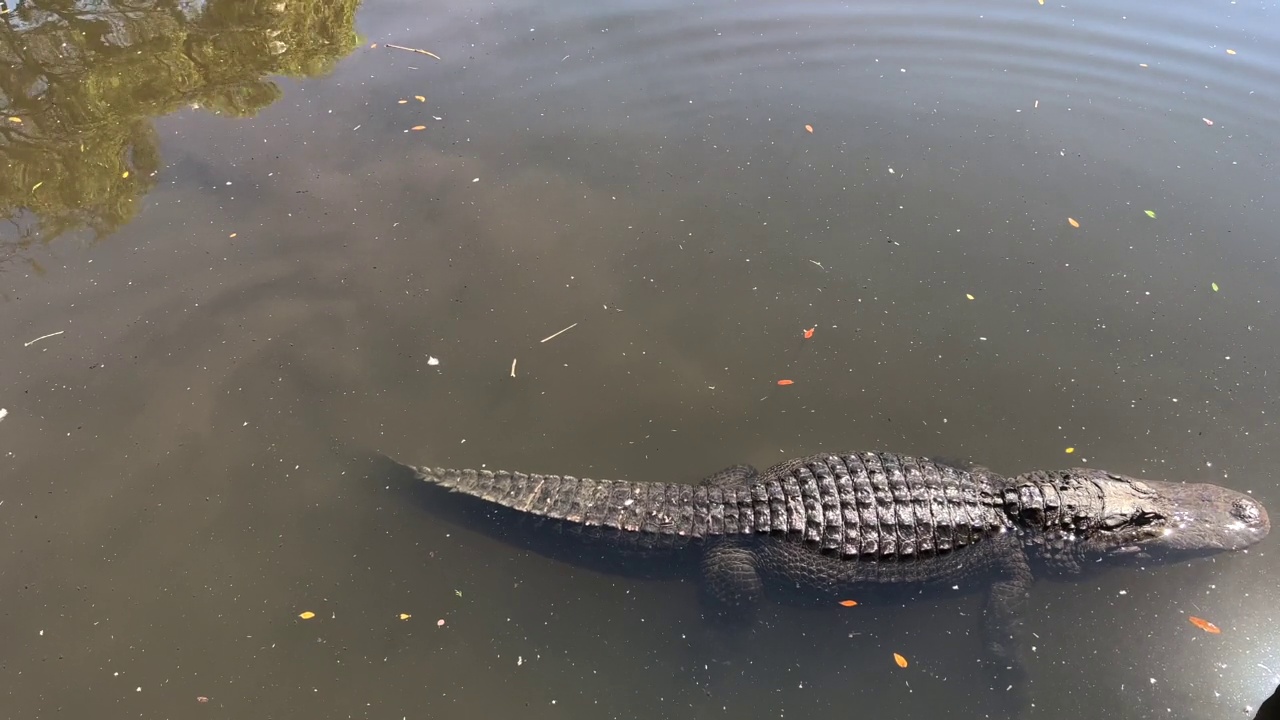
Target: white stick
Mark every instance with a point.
(562, 331)
(42, 337)
(513, 366)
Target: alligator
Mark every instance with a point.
(839, 525)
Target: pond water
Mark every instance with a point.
(1031, 235)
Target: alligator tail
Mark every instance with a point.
(671, 511)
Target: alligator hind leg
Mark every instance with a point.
(731, 591)
(730, 580)
(732, 476)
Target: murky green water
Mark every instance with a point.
(226, 245)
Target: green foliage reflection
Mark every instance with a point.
(81, 81)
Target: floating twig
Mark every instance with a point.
(414, 50)
(513, 366)
(42, 337)
(562, 331)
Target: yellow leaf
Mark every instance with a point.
(1041, 2)
(1070, 450)
(15, 119)
(1214, 286)
(405, 616)
(1230, 51)
(307, 615)
(419, 98)
(1073, 222)
(233, 234)
(969, 296)
(125, 174)
(901, 661)
(33, 187)
(402, 101)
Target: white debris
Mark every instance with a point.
(433, 361)
(3, 413)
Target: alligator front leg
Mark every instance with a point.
(1003, 624)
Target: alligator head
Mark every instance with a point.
(1153, 518)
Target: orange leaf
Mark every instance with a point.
(418, 127)
(1073, 222)
(809, 128)
(809, 333)
(849, 603)
(902, 662)
(1205, 625)
(786, 382)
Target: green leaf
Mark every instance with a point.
(1214, 286)
(1151, 214)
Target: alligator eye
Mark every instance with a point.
(1146, 518)
(1246, 511)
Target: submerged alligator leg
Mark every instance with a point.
(732, 476)
(731, 586)
(1003, 633)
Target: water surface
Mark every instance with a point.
(247, 253)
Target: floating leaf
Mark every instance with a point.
(125, 174)
(1214, 286)
(307, 615)
(1072, 221)
(849, 603)
(901, 661)
(405, 616)
(401, 101)
(418, 127)
(970, 296)
(809, 128)
(419, 98)
(15, 119)
(458, 593)
(809, 333)
(1070, 450)
(1230, 51)
(1041, 2)
(37, 185)
(1150, 213)
(1207, 121)
(1205, 625)
(786, 382)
